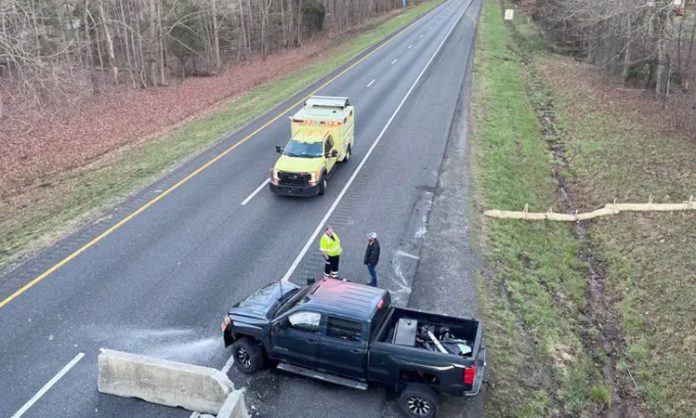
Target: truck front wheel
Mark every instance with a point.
(248, 356)
(418, 401)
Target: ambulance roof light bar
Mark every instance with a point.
(327, 101)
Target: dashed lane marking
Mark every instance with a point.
(48, 386)
(255, 192)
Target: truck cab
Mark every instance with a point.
(322, 135)
(349, 334)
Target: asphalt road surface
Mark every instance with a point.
(158, 283)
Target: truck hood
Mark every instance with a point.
(299, 165)
(259, 303)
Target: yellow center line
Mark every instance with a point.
(181, 182)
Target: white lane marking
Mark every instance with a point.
(228, 365)
(420, 36)
(405, 254)
(394, 62)
(410, 46)
(333, 207)
(48, 386)
(195, 414)
(255, 192)
(371, 82)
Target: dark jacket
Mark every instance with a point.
(372, 253)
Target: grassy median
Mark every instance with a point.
(83, 193)
(532, 291)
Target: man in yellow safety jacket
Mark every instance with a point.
(330, 247)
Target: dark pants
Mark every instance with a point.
(372, 268)
(331, 266)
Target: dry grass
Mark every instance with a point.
(621, 144)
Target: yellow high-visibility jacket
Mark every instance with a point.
(331, 246)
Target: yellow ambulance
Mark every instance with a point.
(322, 135)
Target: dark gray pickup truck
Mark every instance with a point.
(349, 334)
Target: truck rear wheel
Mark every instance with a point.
(347, 156)
(248, 357)
(418, 401)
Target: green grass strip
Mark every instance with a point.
(533, 291)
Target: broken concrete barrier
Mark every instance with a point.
(164, 382)
(234, 406)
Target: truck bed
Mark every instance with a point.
(431, 332)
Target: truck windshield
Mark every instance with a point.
(304, 149)
(286, 303)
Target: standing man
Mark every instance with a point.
(372, 257)
(330, 247)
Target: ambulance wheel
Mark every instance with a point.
(347, 157)
(323, 185)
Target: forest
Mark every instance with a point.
(54, 49)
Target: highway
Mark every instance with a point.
(155, 275)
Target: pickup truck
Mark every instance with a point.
(349, 334)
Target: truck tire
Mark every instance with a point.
(323, 185)
(347, 156)
(248, 357)
(418, 401)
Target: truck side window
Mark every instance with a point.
(305, 321)
(344, 329)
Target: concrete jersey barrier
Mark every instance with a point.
(164, 382)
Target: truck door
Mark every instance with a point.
(343, 350)
(297, 339)
(329, 147)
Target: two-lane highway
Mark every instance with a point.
(158, 283)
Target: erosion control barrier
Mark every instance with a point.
(608, 209)
(164, 382)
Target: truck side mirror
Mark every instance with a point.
(334, 153)
(278, 149)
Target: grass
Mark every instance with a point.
(80, 195)
(621, 147)
(533, 290)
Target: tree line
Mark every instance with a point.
(648, 41)
(50, 48)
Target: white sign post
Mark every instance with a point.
(508, 14)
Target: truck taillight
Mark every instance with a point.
(469, 375)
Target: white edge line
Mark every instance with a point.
(371, 82)
(405, 254)
(395, 60)
(255, 192)
(410, 46)
(299, 257)
(48, 386)
(195, 414)
(228, 365)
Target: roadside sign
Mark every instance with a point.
(508, 14)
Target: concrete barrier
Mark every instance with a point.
(234, 406)
(165, 382)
